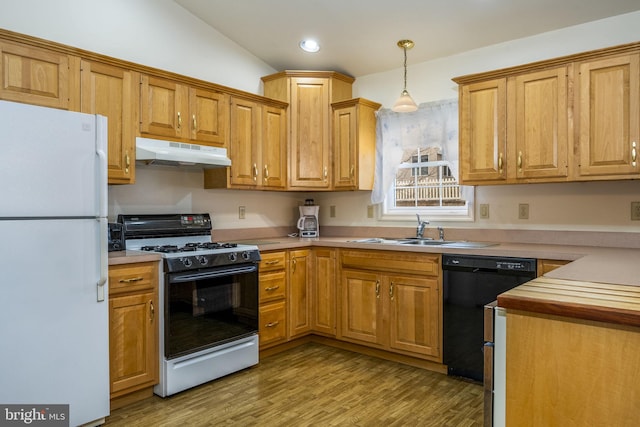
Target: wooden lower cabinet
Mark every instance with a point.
(273, 293)
(562, 371)
(547, 265)
(299, 287)
(133, 331)
(324, 292)
(392, 301)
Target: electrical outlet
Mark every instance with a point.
(332, 211)
(635, 211)
(369, 211)
(484, 211)
(241, 212)
(523, 211)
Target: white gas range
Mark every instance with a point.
(209, 295)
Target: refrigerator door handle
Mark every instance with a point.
(104, 258)
(102, 166)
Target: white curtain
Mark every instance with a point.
(434, 124)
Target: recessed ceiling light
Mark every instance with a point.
(309, 45)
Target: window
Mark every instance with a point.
(425, 184)
(417, 165)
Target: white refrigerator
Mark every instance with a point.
(54, 319)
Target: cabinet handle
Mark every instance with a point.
(152, 311)
(391, 291)
(272, 288)
(377, 289)
(519, 159)
(272, 262)
(294, 263)
(325, 173)
(255, 172)
(127, 162)
(131, 280)
(351, 171)
(179, 120)
(500, 163)
(266, 173)
(272, 324)
(195, 125)
(634, 154)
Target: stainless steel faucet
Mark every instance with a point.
(421, 226)
(441, 233)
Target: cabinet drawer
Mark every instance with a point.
(132, 277)
(272, 286)
(273, 324)
(272, 261)
(395, 262)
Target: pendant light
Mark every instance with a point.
(405, 103)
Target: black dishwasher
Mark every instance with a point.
(469, 283)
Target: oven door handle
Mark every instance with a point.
(188, 277)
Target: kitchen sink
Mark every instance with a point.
(463, 244)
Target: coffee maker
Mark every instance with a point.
(308, 221)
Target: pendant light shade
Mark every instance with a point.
(405, 104)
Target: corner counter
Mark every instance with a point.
(129, 257)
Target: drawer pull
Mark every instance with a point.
(272, 288)
(272, 324)
(272, 262)
(131, 280)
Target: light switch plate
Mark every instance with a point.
(484, 211)
(635, 211)
(523, 211)
(241, 212)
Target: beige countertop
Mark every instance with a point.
(128, 257)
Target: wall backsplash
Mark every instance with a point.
(592, 206)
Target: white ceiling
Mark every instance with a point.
(358, 37)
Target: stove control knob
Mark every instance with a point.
(233, 256)
(246, 256)
(203, 260)
(187, 262)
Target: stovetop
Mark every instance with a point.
(184, 241)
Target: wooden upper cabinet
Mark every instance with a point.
(111, 91)
(309, 94)
(38, 76)
(274, 147)
(209, 116)
(354, 144)
(483, 125)
(170, 109)
(164, 107)
(540, 133)
(608, 103)
(244, 147)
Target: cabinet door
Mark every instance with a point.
(209, 117)
(36, 76)
(273, 325)
(362, 303)
(110, 91)
(244, 149)
(274, 147)
(541, 126)
(414, 315)
(324, 291)
(609, 116)
(299, 292)
(483, 131)
(133, 342)
(345, 136)
(163, 107)
(310, 138)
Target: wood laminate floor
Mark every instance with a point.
(316, 385)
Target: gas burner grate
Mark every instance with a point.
(162, 248)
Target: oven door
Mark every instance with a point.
(209, 307)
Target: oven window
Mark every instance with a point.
(205, 312)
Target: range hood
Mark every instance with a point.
(159, 152)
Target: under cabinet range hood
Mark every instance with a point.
(181, 154)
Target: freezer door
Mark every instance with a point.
(53, 162)
(54, 332)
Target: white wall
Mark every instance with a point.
(156, 33)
